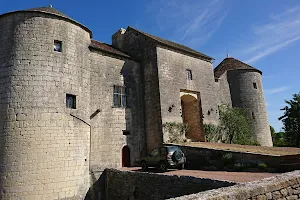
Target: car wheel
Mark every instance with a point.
(144, 166)
(181, 166)
(176, 157)
(163, 167)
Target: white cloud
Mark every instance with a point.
(192, 22)
(278, 32)
(276, 90)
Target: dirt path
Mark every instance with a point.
(215, 175)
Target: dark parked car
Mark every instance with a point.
(164, 157)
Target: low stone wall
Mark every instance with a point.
(211, 159)
(139, 185)
(284, 186)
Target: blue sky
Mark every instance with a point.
(264, 34)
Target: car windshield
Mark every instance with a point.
(172, 149)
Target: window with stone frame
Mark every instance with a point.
(119, 98)
(189, 74)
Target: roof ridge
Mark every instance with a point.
(172, 44)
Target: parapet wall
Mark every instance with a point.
(284, 186)
(137, 185)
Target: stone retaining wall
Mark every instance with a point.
(284, 186)
(139, 185)
(211, 159)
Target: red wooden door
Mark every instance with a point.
(126, 157)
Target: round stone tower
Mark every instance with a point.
(246, 91)
(44, 147)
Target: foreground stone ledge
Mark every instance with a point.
(276, 187)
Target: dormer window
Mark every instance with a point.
(189, 74)
(57, 46)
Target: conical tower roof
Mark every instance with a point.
(230, 63)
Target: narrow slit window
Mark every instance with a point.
(253, 116)
(189, 74)
(57, 46)
(119, 96)
(254, 85)
(71, 101)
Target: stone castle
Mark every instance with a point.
(70, 105)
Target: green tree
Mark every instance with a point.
(291, 120)
(235, 126)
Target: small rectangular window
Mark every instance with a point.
(189, 74)
(254, 85)
(125, 132)
(57, 46)
(71, 101)
(119, 96)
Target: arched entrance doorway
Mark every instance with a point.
(125, 156)
(191, 115)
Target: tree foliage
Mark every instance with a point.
(291, 121)
(234, 128)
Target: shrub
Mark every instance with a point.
(212, 133)
(176, 132)
(262, 166)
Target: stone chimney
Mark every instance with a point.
(117, 39)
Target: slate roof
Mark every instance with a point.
(173, 45)
(231, 64)
(107, 48)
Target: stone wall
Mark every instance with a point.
(284, 186)
(44, 150)
(212, 159)
(224, 96)
(137, 185)
(141, 47)
(107, 137)
(172, 74)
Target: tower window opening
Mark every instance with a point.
(71, 101)
(254, 85)
(189, 74)
(253, 116)
(57, 46)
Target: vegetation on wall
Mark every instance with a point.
(291, 121)
(234, 128)
(176, 131)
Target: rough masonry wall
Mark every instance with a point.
(107, 137)
(138, 186)
(283, 186)
(244, 95)
(144, 49)
(44, 151)
(172, 78)
(224, 97)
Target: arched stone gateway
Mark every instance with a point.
(191, 115)
(125, 156)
